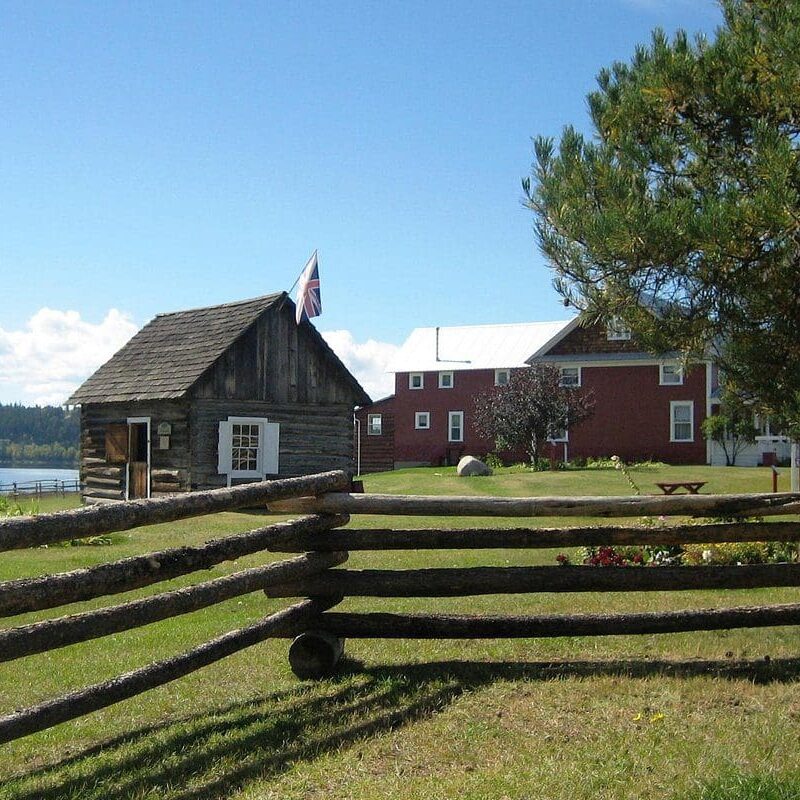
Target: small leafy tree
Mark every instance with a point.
(530, 409)
(732, 428)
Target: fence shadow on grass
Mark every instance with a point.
(211, 754)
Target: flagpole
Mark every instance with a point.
(301, 273)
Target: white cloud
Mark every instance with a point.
(366, 360)
(55, 352)
(46, 360)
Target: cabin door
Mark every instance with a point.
(138, 457)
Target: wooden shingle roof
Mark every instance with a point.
(166, 357)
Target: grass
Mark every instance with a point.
(705, 716)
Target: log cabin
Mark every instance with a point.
(214, 397)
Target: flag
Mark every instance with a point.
(309, 300)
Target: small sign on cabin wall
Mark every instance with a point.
(164, 432)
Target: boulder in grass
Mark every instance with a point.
(470, 466)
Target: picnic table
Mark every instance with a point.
(692, 487)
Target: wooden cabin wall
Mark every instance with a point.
(312, 438)
(169, 469)
(277, 361)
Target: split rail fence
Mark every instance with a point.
(312, 576)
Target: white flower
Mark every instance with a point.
(707, 554)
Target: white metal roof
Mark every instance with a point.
(475, 346)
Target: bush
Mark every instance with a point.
(493, 461)
(730, 553)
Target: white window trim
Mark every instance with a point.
(452, 379)
(417, 422)
(371, 417)
(497, 377)
(673, 404)
(559, 439)
(570, 385)
(411, 376)
(268, 461)
(662, 382)
(455, 415)
(617, 330)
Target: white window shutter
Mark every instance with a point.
(224, 448)
(272, 432)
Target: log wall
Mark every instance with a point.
(313, 438)
(170, 468)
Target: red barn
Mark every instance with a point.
(645, 407)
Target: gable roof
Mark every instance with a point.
(475, 346)
(165, 358)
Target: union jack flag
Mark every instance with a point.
(309, 300)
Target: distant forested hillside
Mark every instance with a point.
(38, 435)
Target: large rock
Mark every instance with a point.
(470, 466)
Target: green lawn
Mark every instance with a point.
(705, 715)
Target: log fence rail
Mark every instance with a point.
(317, 546)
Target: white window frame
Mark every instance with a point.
(576, 384)
(672, 366)
(563, 436)
(452, 415)
(372, 429)
(442, 384)
(267, 459)
(617, 330)
(419, 416)
(412, 376)
(498, 373)
(673, 406)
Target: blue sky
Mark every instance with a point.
(160, 156)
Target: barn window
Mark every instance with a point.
(502, 377)
(570, 376)
(681, 421)
(374, 424)
(422, 420)
(670, 375)
(455, 426)
(445, 380)
(416, 380)
(617, 330)
(248, 447)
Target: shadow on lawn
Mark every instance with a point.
(211, 754)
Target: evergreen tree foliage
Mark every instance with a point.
(681, 215)
(38, 434)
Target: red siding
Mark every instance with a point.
(377, 452)
(632, 415)
(432, 446)
(631, 419)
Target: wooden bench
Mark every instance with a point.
(692, 487)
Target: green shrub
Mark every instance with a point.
(729, 553)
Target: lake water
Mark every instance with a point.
(26, 474)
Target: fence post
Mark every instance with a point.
(314, 654)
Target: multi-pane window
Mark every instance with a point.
(415, 380)
(445, 380)
(570, 376)
(671, 375)
(422, 420)
(617, 330)
(502, 377)
(245, 441)
(681, 420)
(455, 426)
(374, 424)
(248, 447)
(558, 435)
